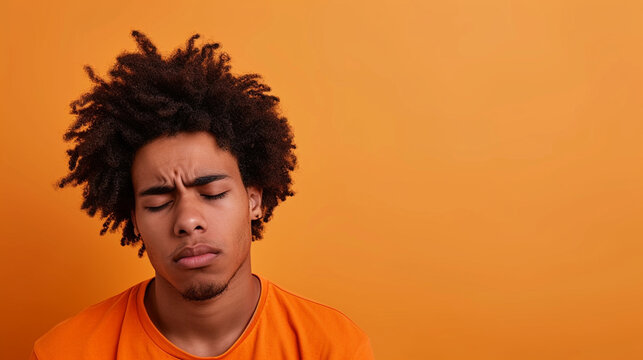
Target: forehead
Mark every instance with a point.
(185, 156)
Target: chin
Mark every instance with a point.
(204, 291)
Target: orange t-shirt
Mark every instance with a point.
(285, 326)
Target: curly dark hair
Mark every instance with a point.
(148, 96)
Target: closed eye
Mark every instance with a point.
(214, 197)
(158, 208)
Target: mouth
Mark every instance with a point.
(196, 256)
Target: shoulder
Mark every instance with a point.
(314, 322)
(99, 323)
(296, 305)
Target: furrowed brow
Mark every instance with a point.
(157, 190)
(201, 180)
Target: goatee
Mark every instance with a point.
(202, 292)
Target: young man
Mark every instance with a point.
(190, 161)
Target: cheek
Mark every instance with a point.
(152, 225)
(151, 233)
(145, 221)
(156, 256)
(231, 219)
(150, 248)
(243, 233)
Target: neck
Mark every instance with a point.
(209, 327)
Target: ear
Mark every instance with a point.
(254, 202)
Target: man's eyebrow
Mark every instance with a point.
(201, 180)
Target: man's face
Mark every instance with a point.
(193, 212)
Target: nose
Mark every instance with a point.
(189, 218)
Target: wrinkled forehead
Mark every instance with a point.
(181, 157)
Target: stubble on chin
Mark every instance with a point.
(202, 292)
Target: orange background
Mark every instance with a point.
(471, 178)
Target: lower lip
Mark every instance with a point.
(194, 262)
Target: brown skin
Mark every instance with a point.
(184, 217)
